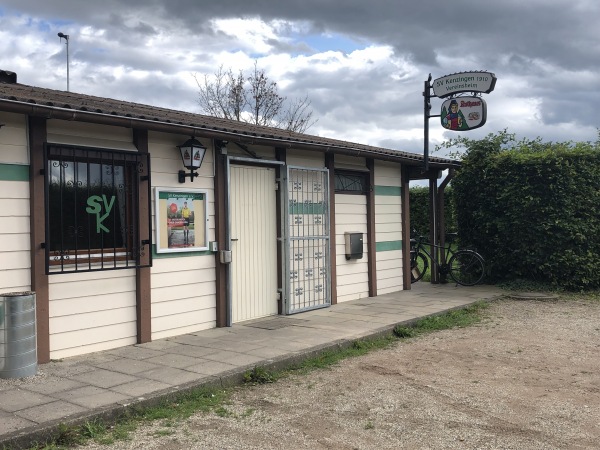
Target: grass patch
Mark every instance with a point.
(171, 411)
(463, 317)
(260, 375)
(333, 356)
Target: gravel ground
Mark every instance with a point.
(525, 378)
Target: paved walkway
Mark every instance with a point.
(100, 384)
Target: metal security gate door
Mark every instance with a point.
(254, 243)
(307, 225)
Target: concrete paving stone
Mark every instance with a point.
(350, 315)
(99, 399)
(240, 347)
(103, 378)
(129, 366)
(234, 358)
(251, 335)
(140, 388)
(50, 411)
(170, 375)
(215, 333)
(267, 352)
(10, 423)
(94, 359)
(51, 385)
(67, 368)
(160, 344)
(193, 351)
(334, 331)
(384, 319)
(325, 332)
(290, 346)
(188, 339)
(20, 399)
(324, 319)
(209, 368)
(192, 340)
(317, 312)
(174, 360)
(73, 394)
(358, 326)
(136, 352)
(389, 309)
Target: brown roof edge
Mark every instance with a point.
(312, 143)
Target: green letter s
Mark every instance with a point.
(94, 204)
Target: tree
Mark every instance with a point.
(253, 99)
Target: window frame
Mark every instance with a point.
(132, 250)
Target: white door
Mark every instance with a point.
(254, 243)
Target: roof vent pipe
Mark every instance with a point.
(8, 77)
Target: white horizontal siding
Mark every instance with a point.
(387, 174)
(389, 271)
(87, 341)
(90, 135)
(305, 159)
(260, 150)
(91, 311)
(350, 163)
(388, 228)
(352, 277)
(15, 257)
(13, 139)
(183, 295)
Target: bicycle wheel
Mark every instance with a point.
(466, 267)
(418, 267)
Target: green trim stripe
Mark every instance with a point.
(387, 246)
(306, 208)
(395, 191)
(164, 195)
(14, 172)
(178, 254)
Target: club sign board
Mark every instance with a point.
(456, 83)
(463, 113)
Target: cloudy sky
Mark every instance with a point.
(363, 64)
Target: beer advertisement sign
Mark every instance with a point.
(463, 113)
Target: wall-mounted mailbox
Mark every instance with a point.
(354, 244)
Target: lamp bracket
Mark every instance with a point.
(182, 175)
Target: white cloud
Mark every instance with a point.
(363, 65)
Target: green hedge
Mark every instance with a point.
(532, 209)
(419, 210)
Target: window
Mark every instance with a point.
(349, 182)
(92, 209)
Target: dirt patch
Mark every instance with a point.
(528, 377)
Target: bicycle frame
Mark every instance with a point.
(442, 267)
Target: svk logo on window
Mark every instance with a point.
(95, 205)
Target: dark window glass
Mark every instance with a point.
(351, 182)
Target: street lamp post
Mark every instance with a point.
(66, 38)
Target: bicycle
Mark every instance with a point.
(465, 267)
